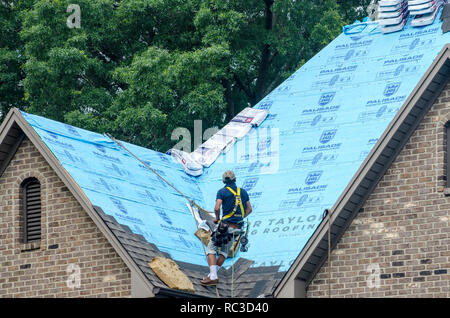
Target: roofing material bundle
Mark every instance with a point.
(445, 18)
(392, 15)
(425, 11)
(251, 116)
(235, 129)
(210, 150)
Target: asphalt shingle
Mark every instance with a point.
(241, 280)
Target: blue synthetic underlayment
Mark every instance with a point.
(124, 188)
(322, 123)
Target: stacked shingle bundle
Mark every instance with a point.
(445, 17)
(207, 153)
(224, 139)
(424, 11)
(392, 15)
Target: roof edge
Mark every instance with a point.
(5, 129)
(160, 292)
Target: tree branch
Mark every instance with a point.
(266, 56)
(244, 88)
(274, 54)
(229, 99)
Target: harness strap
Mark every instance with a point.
(238, 203)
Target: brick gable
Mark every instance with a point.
(399, 244)
(70, 240)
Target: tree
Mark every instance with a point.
(11, 55)
(140, 68)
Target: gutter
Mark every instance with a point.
(161, 292)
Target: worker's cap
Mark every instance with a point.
(228, 176)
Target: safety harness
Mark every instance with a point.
(238, 203)
(221, 236)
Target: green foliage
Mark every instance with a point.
(11, 55)
(140, 68)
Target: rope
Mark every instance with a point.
(146, 165)
(232, 269)
(184, 196)
(217, 292)
(178, 191)
(155, 172)
(327, 214)
(206, 255)
(203, 245)
(232, 266)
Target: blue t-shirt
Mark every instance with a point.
(228, 202)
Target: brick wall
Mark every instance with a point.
(399, 243)
(71, 242)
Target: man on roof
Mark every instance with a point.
(236, 206)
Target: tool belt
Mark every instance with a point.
(221, 236)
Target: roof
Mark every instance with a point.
(323, 123)
(350, 203)
(135, 249)
(333, 112)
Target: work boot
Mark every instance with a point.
(209, 282)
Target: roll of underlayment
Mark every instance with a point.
(190, 166)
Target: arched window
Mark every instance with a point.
(31, 210)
